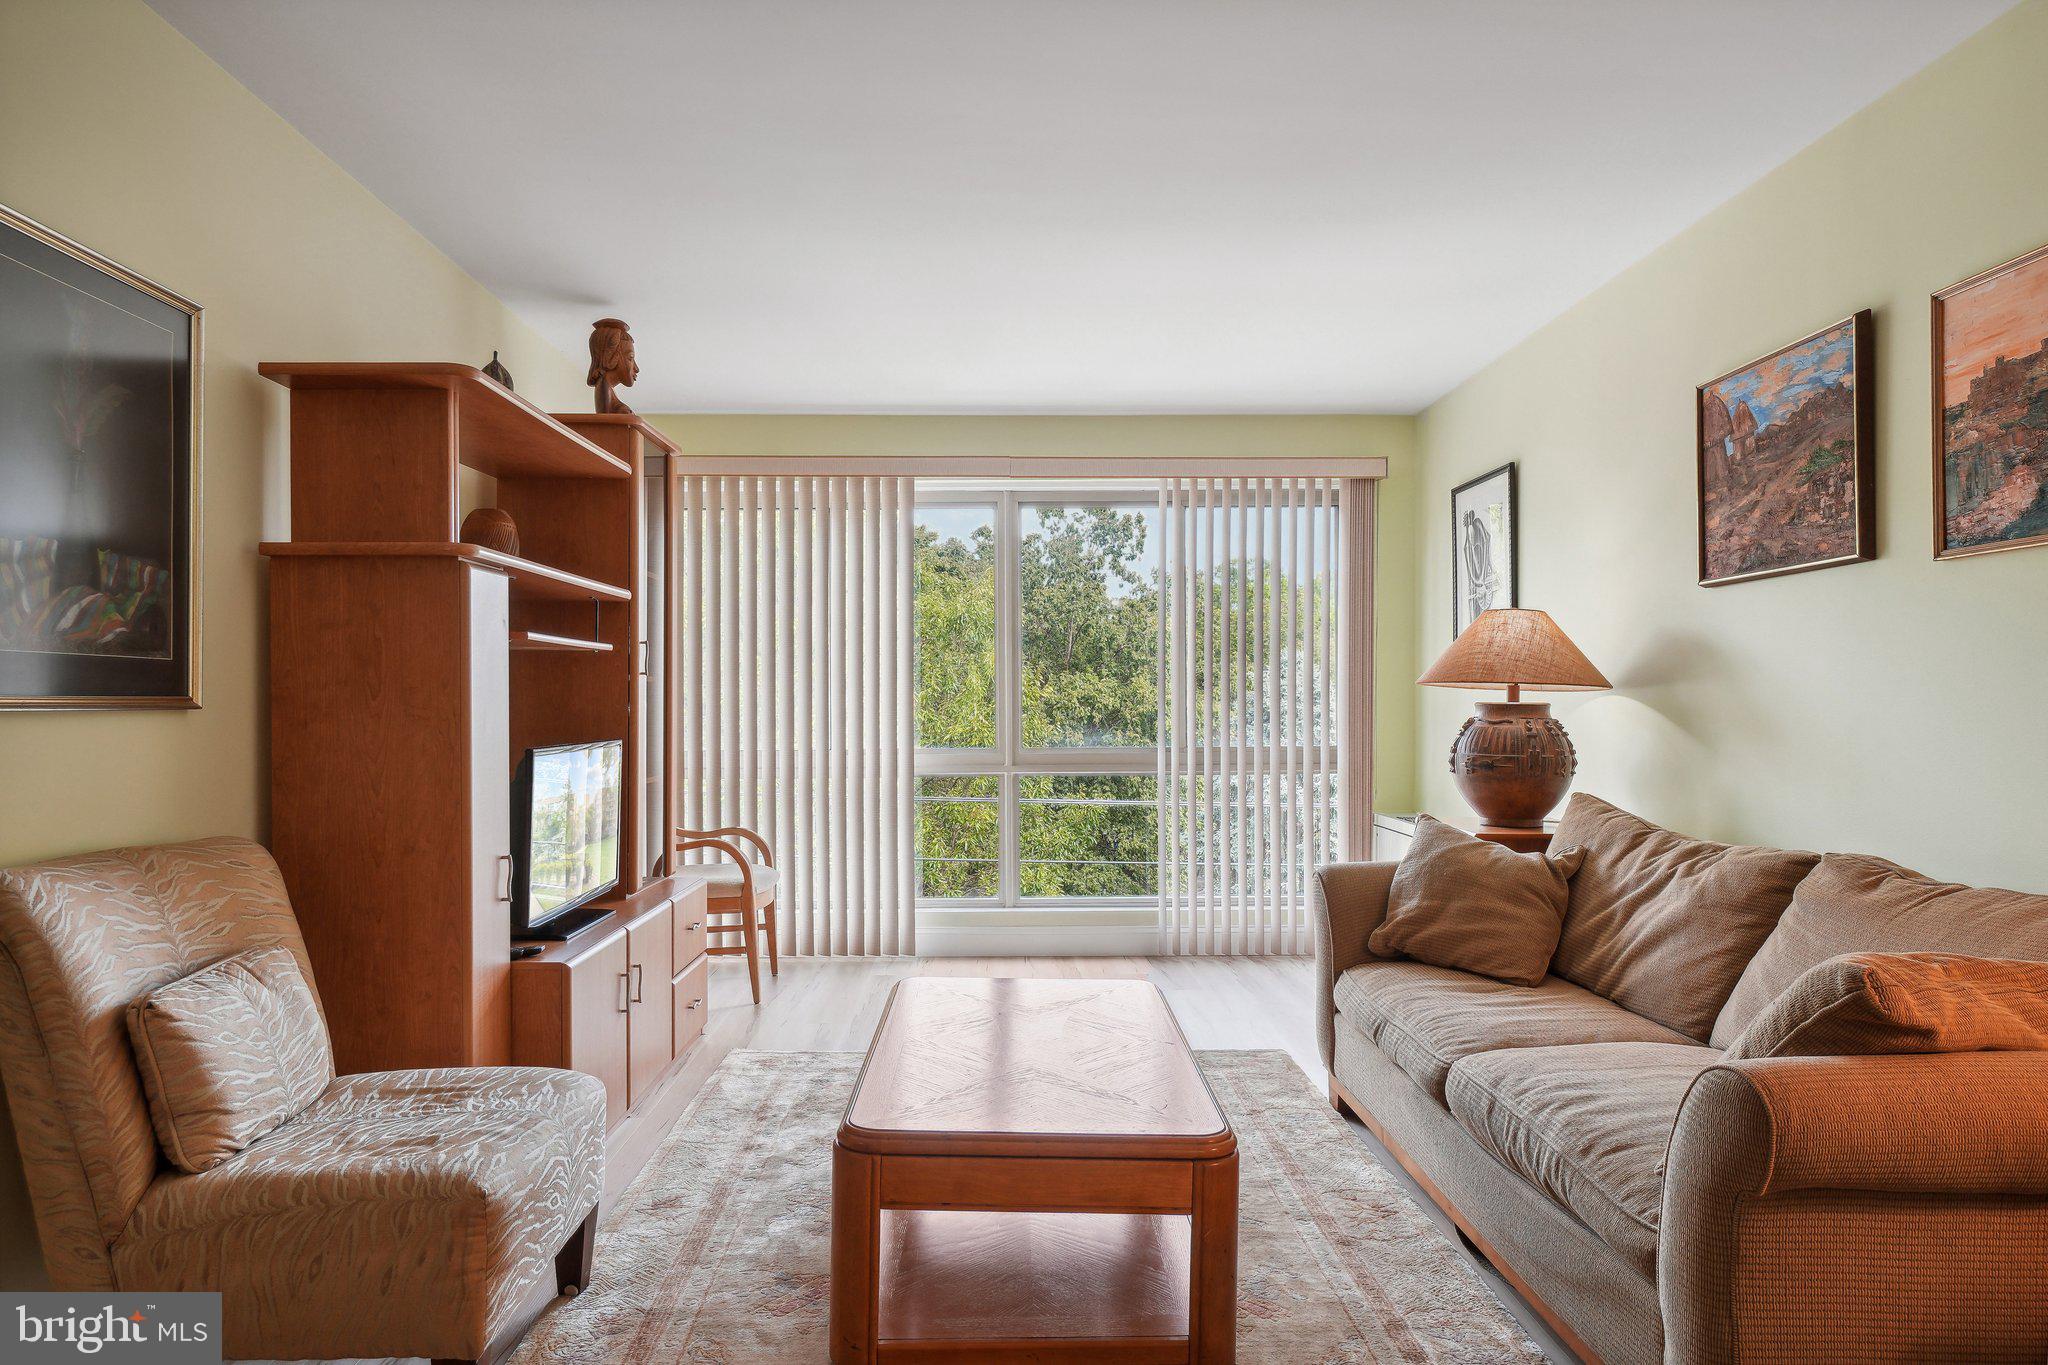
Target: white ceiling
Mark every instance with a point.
(1060, 205)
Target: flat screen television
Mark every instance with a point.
(566, 804)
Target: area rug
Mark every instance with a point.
(719, 1251)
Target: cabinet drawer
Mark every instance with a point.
(692, 1002)
(690, 925)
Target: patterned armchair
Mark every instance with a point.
(403, 1213)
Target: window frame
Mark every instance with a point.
(1009, 760)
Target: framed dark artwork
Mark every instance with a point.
(1482, 546)
(1787, 459)
(99, 480)
(1991, 410)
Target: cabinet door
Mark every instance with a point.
(654, 704)
(600, 994)
(490, 823)
(651, 944)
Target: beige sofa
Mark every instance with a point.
(404, 1213)
(1659, 1201)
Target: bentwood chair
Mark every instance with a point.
(743, 891)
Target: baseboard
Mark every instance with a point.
(1026, 940)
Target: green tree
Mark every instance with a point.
(1089, 630)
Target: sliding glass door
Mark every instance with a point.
(1037, 697)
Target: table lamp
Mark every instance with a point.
(1513, 762)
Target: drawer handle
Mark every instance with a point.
(694, 1003)
(636, 985)
(693, 927)
(625, 994)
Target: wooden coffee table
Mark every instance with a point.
(1032, 1170)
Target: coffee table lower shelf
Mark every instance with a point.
(994, 1285)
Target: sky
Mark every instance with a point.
(1776, 387)
(2007, 316)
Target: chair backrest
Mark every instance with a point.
(80, 938)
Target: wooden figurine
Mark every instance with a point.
(612, 364)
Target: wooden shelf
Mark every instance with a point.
(529, 579)
(498, 432)
(620, 419)
(961, 1277)
(540, 640)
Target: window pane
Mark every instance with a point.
(956, 627)
(1090, 602)
(1088, 836)
(959, 836)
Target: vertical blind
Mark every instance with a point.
(1265, 701)
(797, 693)
(795, 690)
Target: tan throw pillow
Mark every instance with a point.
(1475, 906)
(1854, 903)
(1663, 925)
(229, 1053)
(1863, 1004)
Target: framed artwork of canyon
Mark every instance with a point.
(1786, 459)
(1991, 410)
(99, 480)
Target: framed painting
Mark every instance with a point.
(1991, 410)
(99, 463)
(1482, 546)
(1786, 459)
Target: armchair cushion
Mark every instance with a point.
(228, 1053)
(1663, 924)
(1873, 1003)
(722, 881)
(1458, 901)
(442, 1195)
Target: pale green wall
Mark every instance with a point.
(1893, 707)
(117, 132)
(1392, 438)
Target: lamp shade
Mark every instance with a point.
(1515, 647)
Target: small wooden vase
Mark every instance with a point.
(1513, 763)
(492, 528)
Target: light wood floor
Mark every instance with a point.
(834, 1004)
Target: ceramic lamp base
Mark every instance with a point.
(1513, 763)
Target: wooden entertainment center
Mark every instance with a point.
(408, 674)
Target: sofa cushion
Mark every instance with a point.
(1426, 1018)
(1858, 904)
(441, 1196)
(1587, 1125)
(1469, 903)
(1661, 923)
(228, 1053)
(1863, 1004)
